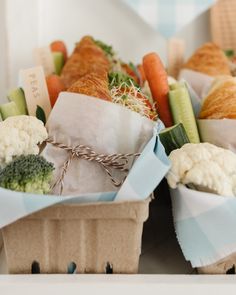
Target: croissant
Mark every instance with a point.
(86, 72)
(92, 84)
(86, 58)
(221, 100)
(210, 60)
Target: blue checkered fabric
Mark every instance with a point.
(169, 16)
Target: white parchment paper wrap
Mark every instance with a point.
(105, 127)
(200, 83)
(219, 132)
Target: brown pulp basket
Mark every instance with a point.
(91, 238)
(223, 266)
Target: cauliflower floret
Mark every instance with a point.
(204, 166)
(178, 170)
(20, 135)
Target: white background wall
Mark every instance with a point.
(3, 58)
(25, 24)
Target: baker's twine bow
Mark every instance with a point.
(107, 162)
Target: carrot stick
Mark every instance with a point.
(55, 86)
(158, 83)
(59, 46)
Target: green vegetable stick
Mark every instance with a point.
(182, 112)
(173, 137)
(58, 58)
(177, 85)
(9, 109)
(17, 95)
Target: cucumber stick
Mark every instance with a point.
(182, 112)
(173, 137)
(17, 95)
(58, 59)
(177, 85)
(9, 109)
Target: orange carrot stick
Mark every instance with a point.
(158, 83)
(59, 46)
(55, 86)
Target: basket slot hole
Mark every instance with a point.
(109, 268)
(35, 267)
(231, 271)
(71, 268)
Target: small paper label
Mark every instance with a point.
(43, 57)
(34, 84)
(176, 49)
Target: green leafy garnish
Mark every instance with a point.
(133, 67)
(40, 114)
(108, 50)
(229, 53)
(117, 78)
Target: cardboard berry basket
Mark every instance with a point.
(89, 238)
(223, 266)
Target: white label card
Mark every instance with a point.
(176, 50)
(34, 85)
(43, 57)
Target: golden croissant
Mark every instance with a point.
(92, 84)
(210, 60)
(86, 58)
(221, 100)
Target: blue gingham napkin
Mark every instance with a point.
(204, 225)
(169, 16)
(146, 173)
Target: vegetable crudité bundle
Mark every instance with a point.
(205, 166)
(94, 69)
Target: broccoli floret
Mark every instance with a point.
(31, 174)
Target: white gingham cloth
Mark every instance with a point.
(169, 16)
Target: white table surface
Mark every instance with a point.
(116, 284)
